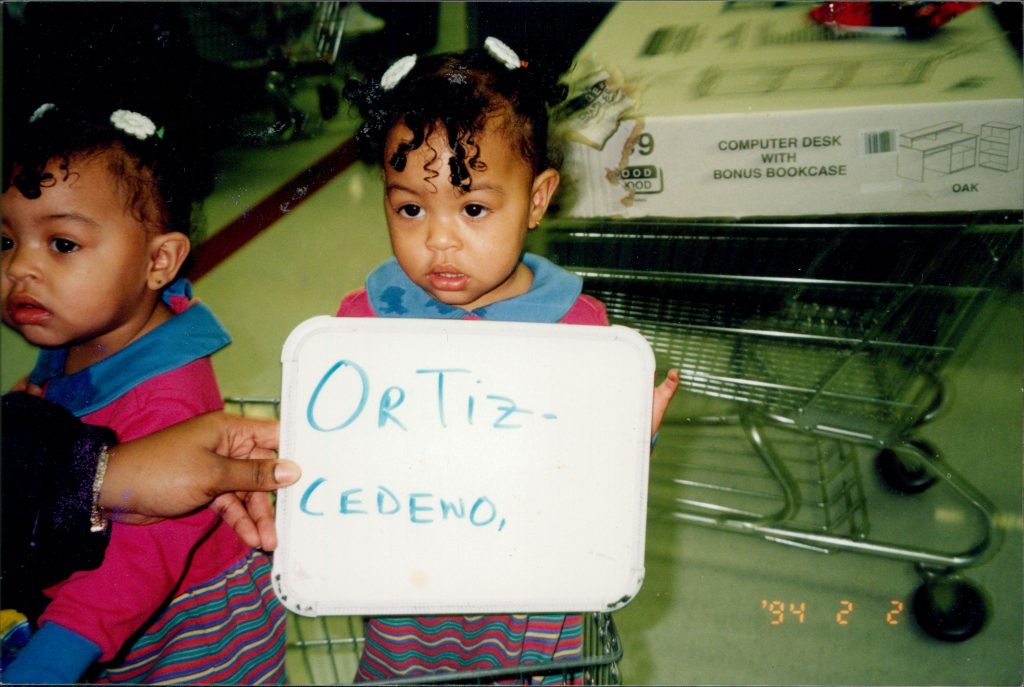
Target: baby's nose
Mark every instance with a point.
(442, 234)
(18, 263)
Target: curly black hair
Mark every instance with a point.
(164, 181)
(459, 91)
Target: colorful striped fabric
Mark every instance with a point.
(228, 631)
(402, 647)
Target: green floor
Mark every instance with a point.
(704, 613)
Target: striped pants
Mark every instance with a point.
(230, 630)
(399, 647)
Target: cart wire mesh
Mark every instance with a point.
(325, 650)
(818, 336)
(814, 485)
(830, 327)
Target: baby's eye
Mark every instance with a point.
(410, 210)
(8, 243)
(476, 210)
(63, 245)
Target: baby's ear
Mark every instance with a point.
(544, 186)
(167, 252)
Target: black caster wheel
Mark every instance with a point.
(949, 609)
(901, 477)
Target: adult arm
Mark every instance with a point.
(140, 486)
(49, 468)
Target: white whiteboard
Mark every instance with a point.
(462, 467)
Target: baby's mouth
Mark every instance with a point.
(23, 310)
(447, 278)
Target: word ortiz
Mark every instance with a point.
(340, 399)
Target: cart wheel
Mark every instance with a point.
(949, 609)
(900, 476)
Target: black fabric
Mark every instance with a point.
(49, 465)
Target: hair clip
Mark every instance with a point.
(134, 124)
(397, 71)
(502, 53)
(40, 111)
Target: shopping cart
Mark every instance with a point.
(272, 56)
(816, 337)
(325, 650)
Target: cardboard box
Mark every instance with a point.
(709, 109)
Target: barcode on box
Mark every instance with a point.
(876, 142)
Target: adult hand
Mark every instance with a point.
(216, 459)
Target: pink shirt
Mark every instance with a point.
(144, 565)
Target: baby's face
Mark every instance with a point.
(74, 259)
(464, 247)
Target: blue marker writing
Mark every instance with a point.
(415, 508)
(383, 492)
(304, 501)
(348, 503)
(364, 392)
(389, 403)
(440, 389)
(508, 410)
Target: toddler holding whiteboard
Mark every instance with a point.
(463, 142)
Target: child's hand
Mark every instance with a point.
(663, 393)
(27, 387)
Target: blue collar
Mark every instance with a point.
(551, 295)
(192, 334)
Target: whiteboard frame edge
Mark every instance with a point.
(289, 359)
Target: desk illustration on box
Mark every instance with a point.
(946, 148)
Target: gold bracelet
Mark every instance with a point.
(98, 522)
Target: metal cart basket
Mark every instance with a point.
(325, 650)
(265, 51)
(819, 336)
